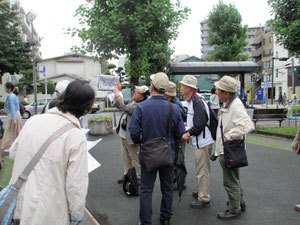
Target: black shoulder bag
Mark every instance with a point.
(157, 152)
(234, 152)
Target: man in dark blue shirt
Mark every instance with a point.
(150, 120)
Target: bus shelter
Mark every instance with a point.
(204, 68)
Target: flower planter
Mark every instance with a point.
(100, 127)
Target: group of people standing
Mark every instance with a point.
(148, 119)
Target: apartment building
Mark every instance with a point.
(27, 29)
(206, 48)
(273, 71)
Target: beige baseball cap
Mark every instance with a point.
(141, 89)
(160, 81)
(171, 90)
(189, 81)
(227, 83)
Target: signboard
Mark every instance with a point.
(260, 94)
(266, 84)
(107, 82)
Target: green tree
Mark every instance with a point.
(50, 87)
(15, 54)
(140, 29)
(286, 23)
(226, 34)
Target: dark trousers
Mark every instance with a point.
(166, 186)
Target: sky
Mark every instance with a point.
(54, 16)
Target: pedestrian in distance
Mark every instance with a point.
(236, 123)
(13, 123)
(280, 99)
(200, 138)
(284, 99)
(150, 120)
(129, 150)
(55, 191)
(294, 99)
(296, 149)
(214, 101)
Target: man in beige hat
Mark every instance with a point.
(236, 123)
(129, 150)
(150, 120)
(171, 97)
(200, 138)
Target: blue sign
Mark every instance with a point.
(260, 94)
(44, 69)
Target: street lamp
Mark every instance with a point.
(30, 16)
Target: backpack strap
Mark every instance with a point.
(24, 175)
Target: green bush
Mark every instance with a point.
(101, 118)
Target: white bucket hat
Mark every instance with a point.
(227, 83)
(61, 86)
(189, 81)
(171, 90)
(160, 81)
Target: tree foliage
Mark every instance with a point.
(50, 87)
(286, 23)
(15, 54)
(140, 29)
(226, 34)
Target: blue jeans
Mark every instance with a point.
(166, 186)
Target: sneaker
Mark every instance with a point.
(297, 207)
(243, 206)
(195, 194)
(196, 204)
(228, 215)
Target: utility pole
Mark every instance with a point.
(31, 16)
(293, 76)
(272, 91)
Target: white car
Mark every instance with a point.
(29, 109)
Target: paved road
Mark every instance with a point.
(270, 182)
(271, 185)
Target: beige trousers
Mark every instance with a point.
(202, 163)
(130, 156)
(11, 131)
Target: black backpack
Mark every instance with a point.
(213, 122)
(130, 183)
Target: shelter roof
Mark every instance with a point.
(236, 67)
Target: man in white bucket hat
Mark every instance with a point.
(200, 138)
(236, 123)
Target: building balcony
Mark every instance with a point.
(206, 49)
(255, 41)
(204, 35)
(204, 43)
(257, 52)
(204, 28)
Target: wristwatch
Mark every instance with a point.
(188, 134)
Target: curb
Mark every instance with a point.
(91, 216)
(286, 136)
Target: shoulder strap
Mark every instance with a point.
(24, 175)
(170, 118)
(222, 133)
